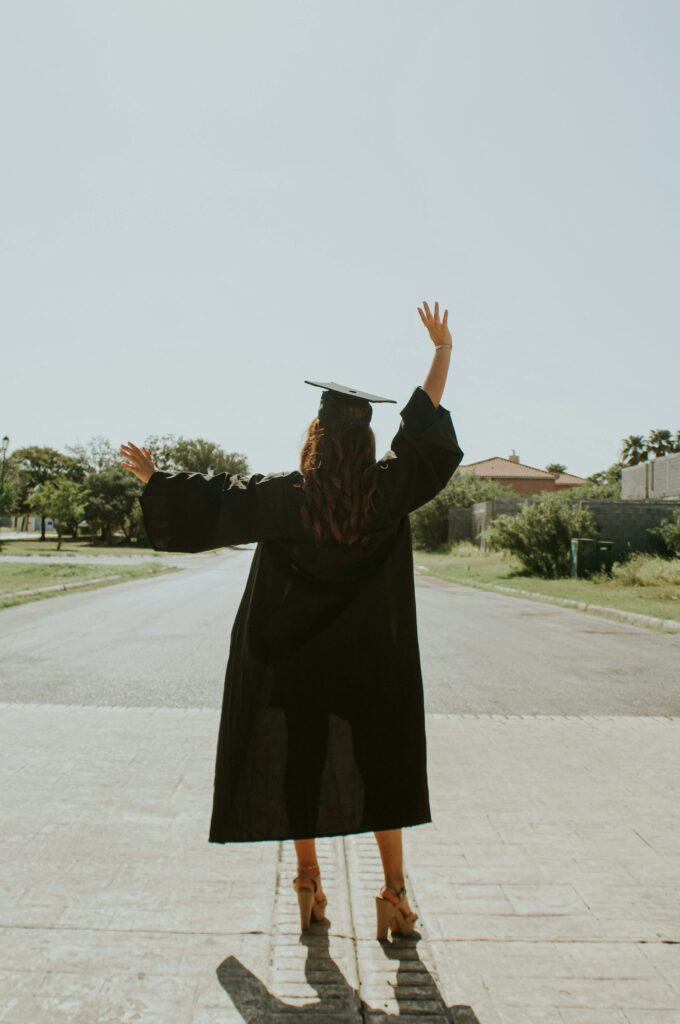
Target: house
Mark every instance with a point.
(518, 477)
(23, 522)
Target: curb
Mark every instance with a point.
(633, 618)
(60, 586)
(585, 606)
(56, 587)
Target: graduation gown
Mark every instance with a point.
(322, 728)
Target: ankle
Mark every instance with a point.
(308, 869)
(396, 883)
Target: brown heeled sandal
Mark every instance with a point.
(311, 909)
(393, 915)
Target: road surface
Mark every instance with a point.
(164, 642)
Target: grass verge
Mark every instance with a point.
(645, 586)
(72, 547)
(19, 576)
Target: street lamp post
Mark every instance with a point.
(3, 449)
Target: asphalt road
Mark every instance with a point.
(164, 642)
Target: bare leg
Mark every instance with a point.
(308, 866)
(392, 856)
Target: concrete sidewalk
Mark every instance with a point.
(547, 886)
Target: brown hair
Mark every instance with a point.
(337, 461)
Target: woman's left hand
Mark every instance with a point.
(139, 461)
(438, 330)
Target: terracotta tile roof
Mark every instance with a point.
(500, 467)
(507, 469)
(569, 478)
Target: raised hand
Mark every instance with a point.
(438, 331)
(139, 461)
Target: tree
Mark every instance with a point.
(97, 454)
(540, 534)
(193, 455)
(37, 502)
(605, 485)
(161, 448)
(10, 490)
(63, 500)
(197, 455)
(659, 443)
(111, 501)
(555, 467)
(36, 465)
(633, 450)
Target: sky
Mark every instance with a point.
(204, 203)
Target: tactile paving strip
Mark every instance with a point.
(341, 973)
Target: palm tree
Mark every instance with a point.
(659, 442)
(633, 450)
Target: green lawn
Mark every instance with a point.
(17, 576)
(71, 547)
(660, 596)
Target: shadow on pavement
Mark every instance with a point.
(337, 1000)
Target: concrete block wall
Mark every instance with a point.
(634, 482)
(483, 512)
(460, 524)
(657, 478)
(626, 522)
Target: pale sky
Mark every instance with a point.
(204, 203)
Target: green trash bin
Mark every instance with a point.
(604, 555)
(589, 555)
(582, 556)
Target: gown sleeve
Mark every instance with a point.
(192, 512)
(423, 457)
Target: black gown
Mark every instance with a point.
(322, 728)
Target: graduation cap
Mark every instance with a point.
(339, 401)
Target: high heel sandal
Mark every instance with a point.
(393, 915)
(310, 907)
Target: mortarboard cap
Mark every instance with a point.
(339, 401)
(342, 389)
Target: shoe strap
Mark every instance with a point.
(306, 878)
(400, 895)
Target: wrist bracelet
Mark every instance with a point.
(443, 346)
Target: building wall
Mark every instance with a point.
(626, 522)
(529, 486)
(27, 523)
(634, 482)
(483, 512)
(657, 478)
(519, 486)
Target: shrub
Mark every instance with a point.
(430, 523)
(643, 570)
(465, 549)
(668, 535)
(540, 534)
(604, 486)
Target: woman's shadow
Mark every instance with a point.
(336, 998)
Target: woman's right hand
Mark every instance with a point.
(139, 461)
(438, 331)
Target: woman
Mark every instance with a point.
(322, 729)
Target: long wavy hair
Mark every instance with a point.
(337, 462)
